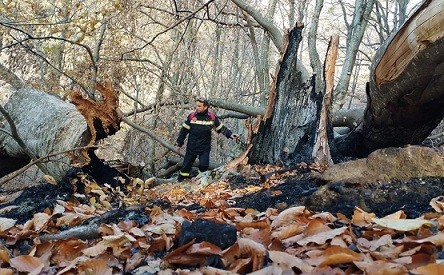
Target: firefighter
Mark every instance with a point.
(198, 126)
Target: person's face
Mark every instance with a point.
(200, 107)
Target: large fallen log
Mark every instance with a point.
(406, 88)
(49, 125)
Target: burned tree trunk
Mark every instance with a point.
(288, 130)
(405, 97)
(406, 88)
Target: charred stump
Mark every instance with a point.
(289, 129)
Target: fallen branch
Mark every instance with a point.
(86, 232)
(91, 229)
(152, 135)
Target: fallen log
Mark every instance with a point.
(405, 95)
(48, 125)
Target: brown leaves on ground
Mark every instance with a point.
(295, 240)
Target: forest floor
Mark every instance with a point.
(291, 221)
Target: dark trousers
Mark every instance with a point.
(204, 163)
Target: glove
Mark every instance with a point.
(236, 137)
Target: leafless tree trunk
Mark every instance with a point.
(355, 32)
(287, 132)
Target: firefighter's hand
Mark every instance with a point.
(236, 137)
(178, 149)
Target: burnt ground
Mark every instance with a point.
(413, 196)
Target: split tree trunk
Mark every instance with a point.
(288, 130)
(405, 97)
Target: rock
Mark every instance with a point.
(388, 164)
(221, 234)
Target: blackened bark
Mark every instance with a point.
(288, 130)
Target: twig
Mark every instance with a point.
(86, 232)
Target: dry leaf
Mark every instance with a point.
(95, 250)
(432, 268)
(362, 218)
(40, 221)
(315, 226)
(382, 268)
(6, 271)
(321, 238)
(260, 224)
(67, 251)
(94, 266)
(288, 216)
(25, 263)
(4, 256)
(204, 248)
(6, 224)
(339, 255)
(282, 258)
(402, 225)
(255, 253)
(438, 204)
(385, 240)
(240, 266)
(288, 231)
(397, 215)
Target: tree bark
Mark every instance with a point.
(406, 88)
(287, 132)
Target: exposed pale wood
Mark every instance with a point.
(405, 94)
(103, 117)
(422, 30)
(321, 150)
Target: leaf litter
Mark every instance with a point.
(281, 238)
